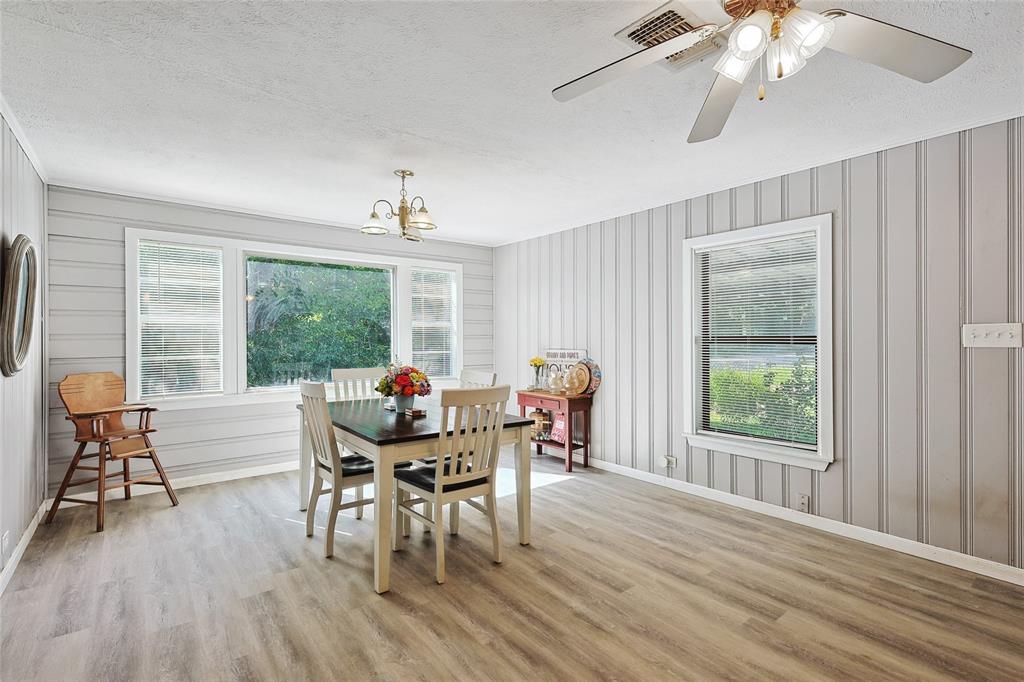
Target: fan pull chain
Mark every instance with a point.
(760, 88)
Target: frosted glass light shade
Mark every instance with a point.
(784, 59)
(421, 220)
(730, 66)
(808, 30)
(750, 38)
(374, 225)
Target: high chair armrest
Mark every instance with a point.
(140, 407)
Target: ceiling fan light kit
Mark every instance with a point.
(786, 36)
(410, 219)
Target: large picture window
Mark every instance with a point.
(304, 318)
(760, 358)
(213, 321)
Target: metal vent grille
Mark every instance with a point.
(659, 29)
(668, 21)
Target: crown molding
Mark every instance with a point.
(19, 133)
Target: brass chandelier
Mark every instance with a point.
(410, 219)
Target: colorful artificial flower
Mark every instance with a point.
(403, 380)
(536, 362)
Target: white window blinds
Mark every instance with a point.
(757, 340)
(434, 336)
(180, 319)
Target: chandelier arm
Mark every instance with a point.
(391, 209)
(412, 203)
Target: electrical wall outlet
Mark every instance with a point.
(668, 461)
(1006, 335)
(805, 503)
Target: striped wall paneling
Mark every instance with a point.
(927, 237)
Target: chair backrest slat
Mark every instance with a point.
(318, 423)
(356, 384)
(475, 378)
(479, 417)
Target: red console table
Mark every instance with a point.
(567, 405)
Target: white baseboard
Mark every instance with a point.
(941, 555)
(19, 551)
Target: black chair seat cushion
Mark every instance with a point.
(357, 465)
(423, 477)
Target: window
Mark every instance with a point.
(180, 341)
(213, 321)
(433, 322)
(304, 318)
(760, 363)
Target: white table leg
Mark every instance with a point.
(305, 462)
(383, 485)
(523, 484)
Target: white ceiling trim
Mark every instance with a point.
(269, 215)
(850, 153)
(19, 133)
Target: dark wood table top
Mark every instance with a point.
(367, 419)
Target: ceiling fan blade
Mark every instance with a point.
(907, 53)
(717, 107)
(630, 63)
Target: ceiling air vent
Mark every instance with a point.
(668, 21)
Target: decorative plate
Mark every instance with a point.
(579, 377)
(595, 374)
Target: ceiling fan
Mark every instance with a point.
(785, 36)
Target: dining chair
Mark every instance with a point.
(353, 471)
(356, 384)
(95, 405)
(474, 378)
(467, 471)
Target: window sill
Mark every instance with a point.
(289, 394)
(807, 459)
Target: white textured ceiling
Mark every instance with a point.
(304, 109)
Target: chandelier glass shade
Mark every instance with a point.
(411, 220)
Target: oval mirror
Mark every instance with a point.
(17, 311)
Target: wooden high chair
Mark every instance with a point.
(95, 403)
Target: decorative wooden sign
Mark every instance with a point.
(561, 359)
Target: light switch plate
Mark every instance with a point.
(1002, 335)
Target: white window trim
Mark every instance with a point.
(236, 392)
(812, 458)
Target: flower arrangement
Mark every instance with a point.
(537, 363)
(403, 380)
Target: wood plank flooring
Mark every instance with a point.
(624, 580)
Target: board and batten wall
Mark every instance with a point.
(926, 237)
(22, 465)
(87, 319)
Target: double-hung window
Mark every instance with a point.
(758, 366)
(215, 321)
(434, 324)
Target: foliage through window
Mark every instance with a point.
(304, 318)
(757, 342)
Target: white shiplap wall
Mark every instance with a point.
(927, 236)
(22, 466)
(87, 318)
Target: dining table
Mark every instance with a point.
(387, 437)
